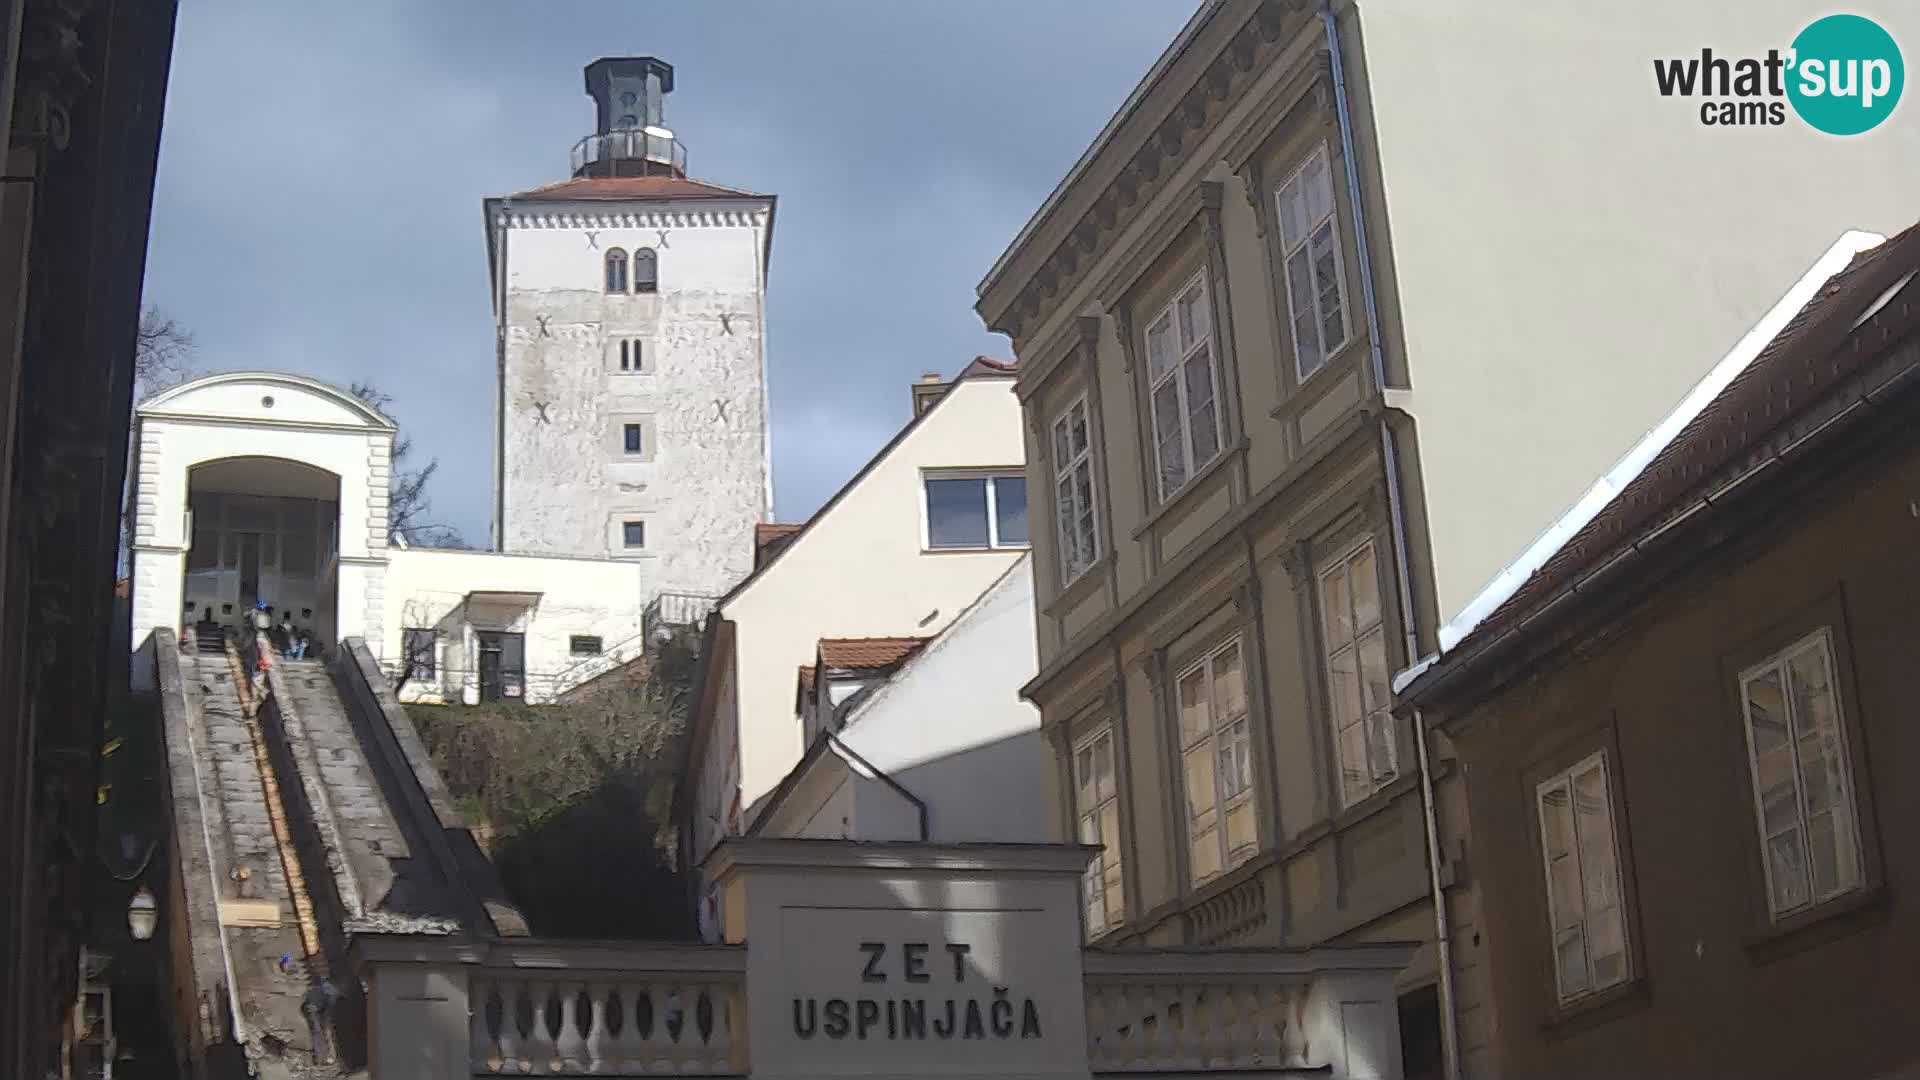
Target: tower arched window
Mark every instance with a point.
(646, 271)
(616, 270)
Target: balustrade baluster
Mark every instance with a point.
(510, 1041)
(599, 1038)
(569, 1044)
(1099, 1029)
(656, 1045)
(481, 1052)
(540, 1045)
(720, 1046)
(1266, 1020)
(1293, 1038)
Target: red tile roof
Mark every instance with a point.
(1803, 361)
(768, 532)
(632, 187)
(868, 654)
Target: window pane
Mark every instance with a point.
(1317, 185)
(1202, 411)
(1376, 689)
(206, 549)
(1083, 776)
(1788, 864)
(1243, 834)
(1556, 823)
(1354, 783)
(1194, 722)
(1079, 421)
(957, 512)
(1201, 799)
(1062, 448)
(1229, 685)
(1336, 614)
(1365, 582)
(1343, 687)
(1594, 826)
(630, 438)
(1766, 712)
(634, 534)
(1205, 849)
(1103, 768)
(1607, 948)
(1160, 350)
(1326, 281)
(1168, 437)
(1293, 214)
(1193, 316)
(1823, 856)
(1072, 561)
(1571, 959)
(1010, 506)
(1110, 833)
(1563, 882)
(1383, 753)
(1306, 324)
(1090, 829)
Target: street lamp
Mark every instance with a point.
(142, 913)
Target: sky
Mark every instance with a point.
(322, 166)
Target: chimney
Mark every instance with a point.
(927, 391)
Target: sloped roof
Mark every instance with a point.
(868, 654)
(631, 187)
(770, 536)
(1785, 364)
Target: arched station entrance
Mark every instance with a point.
(262, 530)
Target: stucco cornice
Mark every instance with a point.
(586, 215)
(156, 406)
(1133, 161)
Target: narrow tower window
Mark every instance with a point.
(646, 271)
(617, 270)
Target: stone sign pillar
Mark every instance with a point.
(908, 959)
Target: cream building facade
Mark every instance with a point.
(1311, 349)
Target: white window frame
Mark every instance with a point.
(1076, 521)
(1377, 726)
(1849, 855)
(1563, 926)
(991, 476)
(633, 356)
(1330, 219)
(1184, 353)
(1219, 732)
(1103, 895)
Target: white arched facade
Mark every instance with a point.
(264, 433)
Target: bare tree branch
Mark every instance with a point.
(407, 501)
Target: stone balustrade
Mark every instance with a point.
(1218, 1010)
(619, 1023)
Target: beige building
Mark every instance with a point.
(1341, 310)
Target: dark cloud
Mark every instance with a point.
(318, 206)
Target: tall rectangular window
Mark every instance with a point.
(419, 648)
(1073, 492)
(976, 510)
(1582, 863)
(1180, 372)
(1358, 690)
(1310, 252)
(630, 438)
(1096, 805)
(1802, 776)
(1216, 751)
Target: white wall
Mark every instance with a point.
(228, 415)
(703, 481)
(1573, 251)
(859, 570)
(427, 588)
(951, 728)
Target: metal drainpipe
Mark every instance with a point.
(1449, 1033)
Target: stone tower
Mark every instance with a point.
(629, 303)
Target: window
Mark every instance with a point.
(632, 355)
(1217, 759)
(646, 271)
(1073, 492)
(1582, 865)
(976, 511)
(633, 534)
(630, 438)
(1310, 250)
(1356, 675)
(419, 648)
(616, 265)
(1097, 806)
(1802, 778)
(1186, 412)
(583, 645)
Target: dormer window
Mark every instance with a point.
(646, 271)
(616, 265)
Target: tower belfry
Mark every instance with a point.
(630, 137)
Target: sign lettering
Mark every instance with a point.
(963, 1014)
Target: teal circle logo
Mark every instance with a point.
(1846, 74)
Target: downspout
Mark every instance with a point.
(500, 231)
(1449, 1032)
